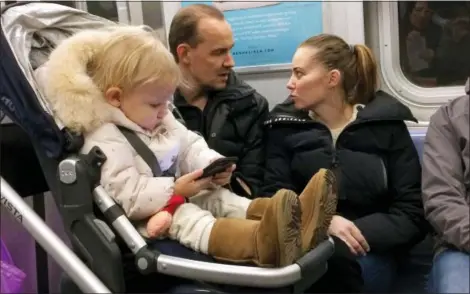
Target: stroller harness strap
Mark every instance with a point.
(147, 155)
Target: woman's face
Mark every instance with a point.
(309, 83)
(421, 15)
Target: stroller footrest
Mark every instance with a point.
(228, 274)
(309, 268)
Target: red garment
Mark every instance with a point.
(173, 203)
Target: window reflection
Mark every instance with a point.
(435, 42)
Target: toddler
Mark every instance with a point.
(97, 81)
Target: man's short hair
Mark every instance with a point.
(184, 26)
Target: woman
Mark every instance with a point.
(335, 118)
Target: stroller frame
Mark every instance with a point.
(74, 180)
(80, 273)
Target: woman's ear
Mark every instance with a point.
(113, 96)
(334, 78)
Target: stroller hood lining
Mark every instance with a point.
(32, 30)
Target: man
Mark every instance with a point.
(446, 194)
(212, 100)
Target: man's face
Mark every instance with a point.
(210, 61)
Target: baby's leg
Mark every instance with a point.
(191, 226)
(275, 240)
(223, 203)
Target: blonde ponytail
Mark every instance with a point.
(367, 77)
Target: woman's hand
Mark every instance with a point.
(189, 185)
(244, 186)
(349, 234)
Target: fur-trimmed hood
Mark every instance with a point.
(75, 99)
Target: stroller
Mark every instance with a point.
(108, 253)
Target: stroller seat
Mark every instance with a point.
(174, 248)
(100, 233)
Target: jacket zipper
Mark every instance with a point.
(208, 118)
(335, 160)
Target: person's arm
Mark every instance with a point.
(415, 46)
(139, 195)
(403, 224)
(250, 166)
(278, 162)
(443, 183)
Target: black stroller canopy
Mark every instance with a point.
(29, 33)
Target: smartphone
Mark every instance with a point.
(218, 166)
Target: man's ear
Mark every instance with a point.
(334, 78)
(184, 52)
(113, 95)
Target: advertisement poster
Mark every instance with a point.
(267, 33)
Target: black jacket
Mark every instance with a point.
(232, 124)
(378, 168)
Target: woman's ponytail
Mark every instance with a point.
(367, 76)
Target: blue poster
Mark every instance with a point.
(268, 33)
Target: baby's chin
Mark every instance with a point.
(152, 128)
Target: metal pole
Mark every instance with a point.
(42, 266)
(70, 263)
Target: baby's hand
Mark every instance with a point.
(159, 224)
(189, 185)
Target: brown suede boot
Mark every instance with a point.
(257, 207)
(318, 202)
(273, 241)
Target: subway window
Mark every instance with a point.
(105, 9)
(435, 42)
(152, 16)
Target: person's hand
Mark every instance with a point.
(349, 234)
(188, 185)
(223, 178)
(413, 35)
(244, 186)
(427, 55)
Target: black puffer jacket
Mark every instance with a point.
(232, 124)
(379, 171)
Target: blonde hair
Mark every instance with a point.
(131, 57)
(84, 66)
